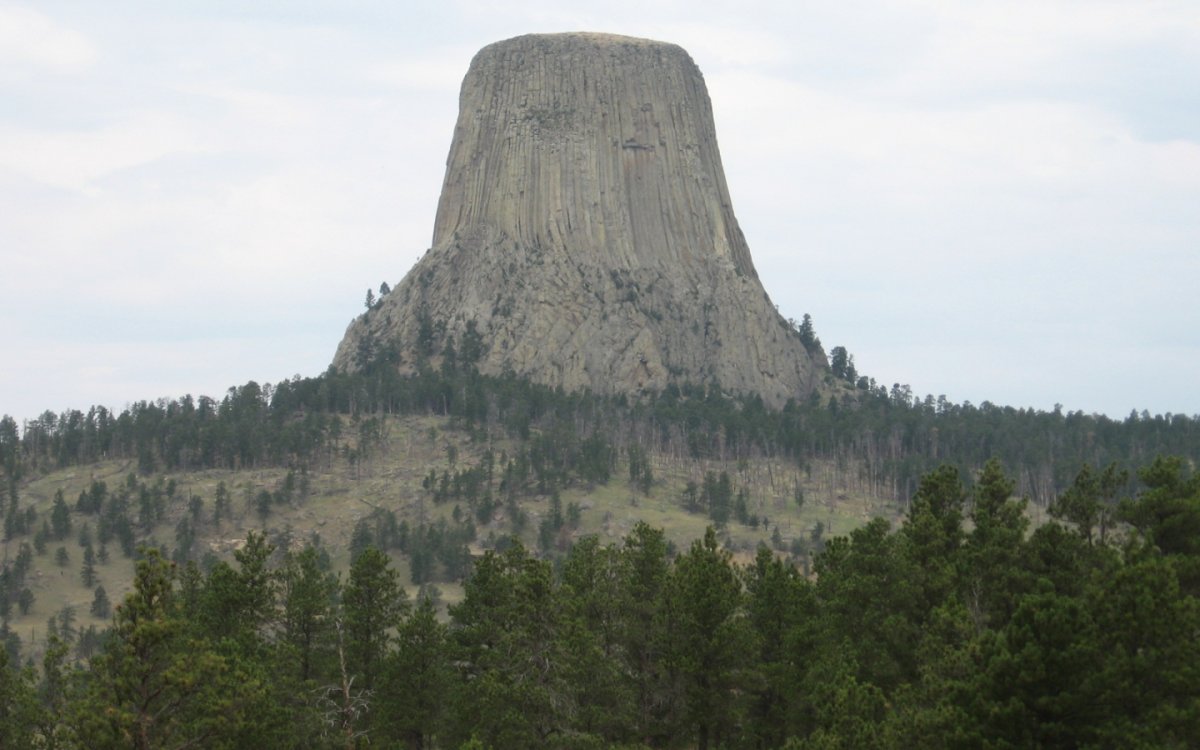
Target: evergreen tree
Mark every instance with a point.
(848, 711)
(1090, 501)
(53, 694)
(25, 600)
(153, 686)
(507, 639)
(100, 604)
(236, 605)
(20, 711)
(779, 601)
(712, 643)
(644, 635)
(994, 555)
(60, 517)
(935, 710)
(87, 572)
(871, 605)
(308, 594)
(595, 624)
(41, 537)
(933, 535)
(373, 603)
(1037, 686)
(1166, 515)
(221, 505)
(808, 336)
(1147, 677)
(839, 359)
(416, 682)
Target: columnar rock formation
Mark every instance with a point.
(586, 233)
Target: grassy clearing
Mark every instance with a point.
(340, 493)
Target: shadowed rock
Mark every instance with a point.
(586, 231)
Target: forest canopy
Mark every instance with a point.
(961, 628)
(895, 435)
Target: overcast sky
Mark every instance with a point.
(986, 200)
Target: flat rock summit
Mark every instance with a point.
(586, 235)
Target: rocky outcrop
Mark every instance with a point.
(585, 232)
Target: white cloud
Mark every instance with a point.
(31, 42)
(75, 159)
(981, 43)
(729, 45)
(440, 74)
(923, 158)
(115, 374)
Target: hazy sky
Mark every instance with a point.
(986, 200)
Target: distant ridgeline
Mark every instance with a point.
(890, 436)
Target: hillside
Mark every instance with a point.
(387, 485)
(373, 452)
(961, 619)
(370, 484)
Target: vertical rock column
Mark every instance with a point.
(586, 229)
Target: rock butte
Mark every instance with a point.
(585, 228)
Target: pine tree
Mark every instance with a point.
(417, 680)
(25, 600)
(932, 535)
(100, 604)
(308, 595)
(506, 632)
(373, 603)
(595, 612)
(712, 643)
(60, 517)
(154, 686)
(778, 601)
(644, 637)
(87, 572)
(238, 604)
(995, 553)
(21, 714)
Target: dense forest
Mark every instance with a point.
(963, 628)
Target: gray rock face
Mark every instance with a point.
(586, 231)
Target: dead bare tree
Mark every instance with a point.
(343, 707)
